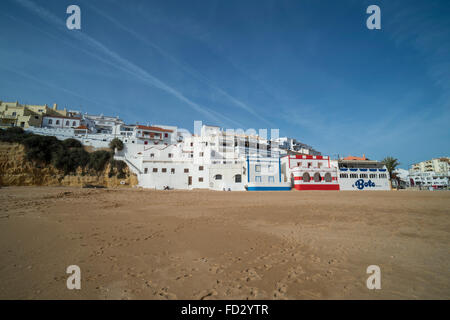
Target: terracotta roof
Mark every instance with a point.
(81, 127)
(153, 128)
(356, 158)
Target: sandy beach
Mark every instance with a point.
(142, 244)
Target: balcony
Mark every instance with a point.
(151, 136)
(8, 117)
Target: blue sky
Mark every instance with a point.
(310, 68)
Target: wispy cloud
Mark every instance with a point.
(189, 70)
(108, 56)
(51, 85)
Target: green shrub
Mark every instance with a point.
(66, 155)
(119, 165)
(69, 160)
(41, 148)
(98, 160)
(72, 143)
(116, 143)
(13, 134)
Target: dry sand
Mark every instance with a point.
(137, 244)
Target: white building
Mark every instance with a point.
(101, 123)
(214, 159)
(434, 173)
(60, 122)
(437, 165)
(264, 174)
(362, 175)
(289, 144)
(308, 172)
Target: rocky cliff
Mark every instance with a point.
(15, 170)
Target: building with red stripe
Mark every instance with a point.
(308, 172)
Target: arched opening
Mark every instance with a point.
(218, 177)
(317, 177)
(306, 177)
(328, 177)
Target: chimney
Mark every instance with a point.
(55, 106)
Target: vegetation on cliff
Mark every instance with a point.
(67, 155)
(116, 143)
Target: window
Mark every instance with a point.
(317, 177)
(14, 114)
(372, 175)
(200, 179)
(200, 168)
(57, 121)
(155, 169)
(353, 175)
(36, 117)
(166, 135)
(74, 123)
(328, 177)
(309, 164)
(172, 170)
(186, 170)
(306, 177)
(258, 179)
(50, 121)
(270, 168)
(164, 170)
(201, 154)
(192, 144)
(382, 176)
(218, 177)
(67, 123)
(319, 165)
(363, 175)
(146, 170)
(152, 155)
(271, 179)
(238, 178)
(258, 168)
(343, 175)
(170, 155)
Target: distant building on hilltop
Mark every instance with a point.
(100, 123)
(292, 146)
(14, 114)
(433, 173)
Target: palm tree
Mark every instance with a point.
(116, 144)
(391, 164)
